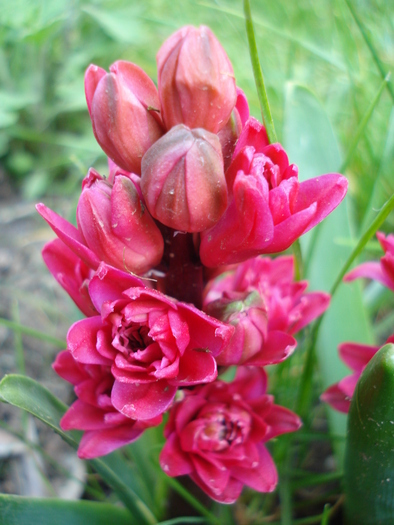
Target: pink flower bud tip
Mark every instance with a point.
(125, 111)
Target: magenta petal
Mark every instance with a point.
(263, 477)
(196, 366)
(355, 355)
(108, 283)
(336, 399)
(214, 476)
(281, 421)
(327, 191)
(370, 270)
(286, 232)
(142, 400)
(276, 349)
(67, 368)
(173, 460)
(229, 495)
(82, 416)
(69, 235)
(348, 384)
(311, 306)
(82, 341)
(95, 443)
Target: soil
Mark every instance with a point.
(32, 297)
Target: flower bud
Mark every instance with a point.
(182, 179)
(248, 314)
(196, 80)
(124, 109)
(116, 226)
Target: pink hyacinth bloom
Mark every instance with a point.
(382, 271)
(125, 112)
(105, 428)
(268, 208)
(217, 433)
(71, 273)
(356, 356)
(113, 226)
(152, 343)
(288, 306)
(182, 179)
(195, 80)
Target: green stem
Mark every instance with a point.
(304, 394)
(258, 75)
(32, 332)
(363, 124)
(378, 63)
(299, 264)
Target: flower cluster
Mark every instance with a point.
(355, 355)
(166, 265)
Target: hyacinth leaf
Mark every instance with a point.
(17, 510)
(369, 459)
(313, 147)
(29, 395)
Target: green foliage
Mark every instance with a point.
(369, 463)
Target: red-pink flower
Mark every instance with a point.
(268, 208)
(382, 271)
(105, 428)
(152, 343)
(113, 225)
(71, 273)
(196, 80)
(217, 433)
(125, 112)
(356, 356)
(288, 308)
(182, 179)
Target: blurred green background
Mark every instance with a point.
(46, 141)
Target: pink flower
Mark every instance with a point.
(217, 436)
(268, 208)
(356, 356)
(113, 226)
(105, 429)
(125, 112)
(152, 343)
(71, 273)
(286, 305)
(382, 271)
(196, 80)
(182, 179)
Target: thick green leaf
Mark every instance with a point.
(369, 462)
(311, 144)
(16, 510)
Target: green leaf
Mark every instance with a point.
(120, 25)
(16, 510)
(32, 397)
(311, 144)
(369, 462)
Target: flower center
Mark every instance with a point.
(224, 429)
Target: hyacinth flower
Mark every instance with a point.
(105, 428)
(152, 343)
(113, 226)
(264, 303)
(356, 356)
(124, 109)
(182, 179)
(217, 433)
(195, 80)
(268, 208)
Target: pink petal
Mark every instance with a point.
(69, 235)
(82, 341)
(142, 401)
(214, 476)
(263, 477)
(230, 493)
(276, 349)
(370, 270)
(67, 368)
(355, 355)
(336, 399)
(196, 366)
(97, 443)
(173, 460)
(281, 421)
